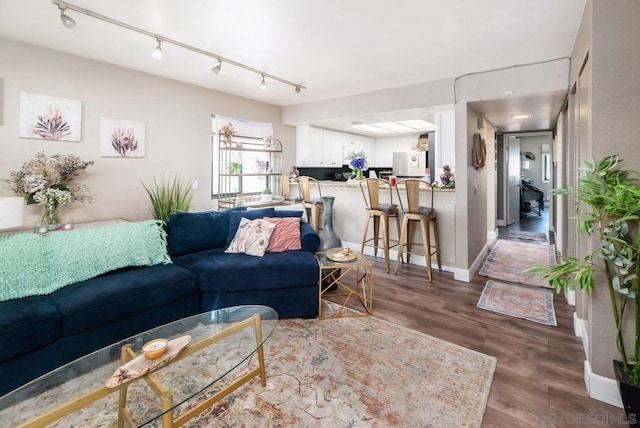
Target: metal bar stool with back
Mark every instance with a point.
(426, 216)
(314, 205)
(378, 212)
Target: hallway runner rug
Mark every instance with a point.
(528, 236)
(508, 261)
(348, 372)
(517, 301)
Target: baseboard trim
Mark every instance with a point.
(598, 387)
(492, 235)
(459, 274)
(416, 259)
(601, 388)
(501, 222)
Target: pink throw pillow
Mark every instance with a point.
(286, 235)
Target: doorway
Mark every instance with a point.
(527, 180)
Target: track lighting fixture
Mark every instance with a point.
(157, 53)
(67, 21)
(217, 68)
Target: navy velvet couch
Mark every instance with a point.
(41, 333)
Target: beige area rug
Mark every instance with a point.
(528, 236)
(532, 304)
(508, 261)
(355, 372)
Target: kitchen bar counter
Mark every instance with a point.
(349, 216)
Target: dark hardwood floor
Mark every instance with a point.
(539, 376)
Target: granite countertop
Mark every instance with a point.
(355, 184)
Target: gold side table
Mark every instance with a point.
(335, 280)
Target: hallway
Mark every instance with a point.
(529, 223)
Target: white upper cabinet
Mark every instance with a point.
(446, 140)
(332, 149)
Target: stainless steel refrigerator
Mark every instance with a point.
(409, 164)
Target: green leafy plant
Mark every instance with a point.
(169, 196)
(607, 207)
(235, 167)
(266, 191)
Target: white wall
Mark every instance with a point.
(177, 118)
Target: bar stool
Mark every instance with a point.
(426, 216)
(286, 191)
(312, 204)
(378, 212)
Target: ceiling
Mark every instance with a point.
(333, 47)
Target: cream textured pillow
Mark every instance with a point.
(252, 237)
(286, 235)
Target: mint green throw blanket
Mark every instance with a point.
(32, 264)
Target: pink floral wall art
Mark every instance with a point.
(45, 117)
(122, 138)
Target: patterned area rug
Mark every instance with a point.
(528, 236)
(355, 372)
(517, 301)
(508, 261)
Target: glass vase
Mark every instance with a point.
(51, 217)
(359, 175)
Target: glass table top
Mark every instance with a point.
(187, 378)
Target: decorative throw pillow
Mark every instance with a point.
(252, 237)
(235, 216)
(286, 235)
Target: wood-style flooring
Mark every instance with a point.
(539, 377)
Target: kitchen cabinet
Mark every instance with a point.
(317, 147)
(356, 143)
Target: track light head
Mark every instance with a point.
(66, 20)
(157, 52)
(297, 89)
(263, 84)
(217, 68)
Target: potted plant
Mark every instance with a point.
(608, 208)
(234, 167)
(267, 196)
(169, 197)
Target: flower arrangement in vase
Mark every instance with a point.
(358, 163)
(227, 132)
(46, 180)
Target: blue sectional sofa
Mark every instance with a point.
(42, 332)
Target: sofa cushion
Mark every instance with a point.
(193, 232)
(27, 324)
(119, 295)
(236, 216)
(221, 272)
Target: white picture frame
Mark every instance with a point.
(122, 138)
(44, 117)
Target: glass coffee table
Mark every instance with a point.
(219, 358)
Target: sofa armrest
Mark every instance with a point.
(309, 239)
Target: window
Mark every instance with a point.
(246, 132)
(546, 167)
